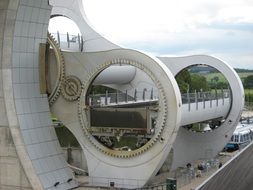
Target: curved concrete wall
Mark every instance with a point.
(11, 171)
(27, 110)
(9, 12)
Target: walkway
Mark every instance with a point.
(223, 158)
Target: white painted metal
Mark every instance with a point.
(28, 114)
(27, 110)
(131, 171)
(194, 145)
(73, 9)
(190, 146)
(204, 113)
(116, 75)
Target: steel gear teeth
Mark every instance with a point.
(71, 88)
(60, 69)
(162, 116)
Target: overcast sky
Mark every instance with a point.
(222, 28)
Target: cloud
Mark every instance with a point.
(63, 25)
(237, 60)
(176, 27)
(235, 14)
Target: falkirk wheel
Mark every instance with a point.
(31, 90)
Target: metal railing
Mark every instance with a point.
(100, 100)
(69, 42)
(183, 176)
(118, 183)
(112, 182)
(211, 97)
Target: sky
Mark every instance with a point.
(221, 28)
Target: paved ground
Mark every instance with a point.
(90, 188)
(196, 182)
(223, 157)
(247, 114)
(237, 174)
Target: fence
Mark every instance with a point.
(122, 97)
(151, 95)
(180, 178)
(69, 42)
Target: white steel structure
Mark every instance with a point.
(25, 110)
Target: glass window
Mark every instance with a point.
(241, 138)
(236, 138)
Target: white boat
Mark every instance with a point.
(242, 136)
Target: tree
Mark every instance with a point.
(248, 82)
(183, 80)
(192, 82)
(215, 79)
(198, 82)
(222, 85)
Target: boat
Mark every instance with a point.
(241, 137)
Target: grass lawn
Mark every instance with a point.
(248, 98)
(209, 76)
(248, 91)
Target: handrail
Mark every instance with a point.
(68, 41)
(152, 96)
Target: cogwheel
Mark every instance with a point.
(71, 88)
(82, 115)
(60, 69)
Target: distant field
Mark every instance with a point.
(244, 75)
(248, 98)
(248, 91)
(222, 78)
(212, 75)
(209, 76)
